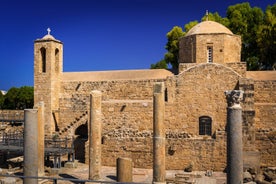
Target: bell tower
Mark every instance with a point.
(48, 67)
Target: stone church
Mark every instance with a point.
(195, 103)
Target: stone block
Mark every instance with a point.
(71, 165)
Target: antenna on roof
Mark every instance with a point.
(207, 15)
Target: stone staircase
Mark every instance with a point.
(82, 119)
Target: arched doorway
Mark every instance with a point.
(79, 143)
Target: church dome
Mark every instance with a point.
(48, 37)
(208, 27)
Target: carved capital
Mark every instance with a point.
(234, 97)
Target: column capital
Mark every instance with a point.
(234, 97)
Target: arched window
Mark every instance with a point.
(205, 125)
(43, 59)
(209, 54)
(57, 60)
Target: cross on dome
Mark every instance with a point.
(48, 30)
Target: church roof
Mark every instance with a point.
(117, 75)
(208, 27)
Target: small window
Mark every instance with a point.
(43, 59)
(166, 95)
(57, 60)
(205, 125)
(209, 54)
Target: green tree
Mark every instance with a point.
(266, 39)
(171, 57)
(159, 65)
(25, 97)
(11, 99)
(245, 21)
(1, 100)
(19, 98)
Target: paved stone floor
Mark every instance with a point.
(143, 175)
(139, 175)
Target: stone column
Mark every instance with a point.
(30, 145)
(234, 137)
(95, 134)
(124, 170)
(41, 134)
(159, 169)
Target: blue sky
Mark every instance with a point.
(97, 34)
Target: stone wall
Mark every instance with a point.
(11, 115)
(265, 105)
(204, 153)
(197, 91)
(265, 115)
(266, 145)
(265, 91)
(75, 95)
(121, 89)
(127, 119)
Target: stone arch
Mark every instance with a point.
(81, 138)
(203, 66)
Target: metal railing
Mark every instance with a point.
(12, 139)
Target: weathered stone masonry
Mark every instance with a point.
(195, 105)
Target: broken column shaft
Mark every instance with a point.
(124, 169)
(30, 146)
(95, 134)
(234, 137)
(159, 170)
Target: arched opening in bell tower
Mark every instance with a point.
(43, 59)
(57, 60)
